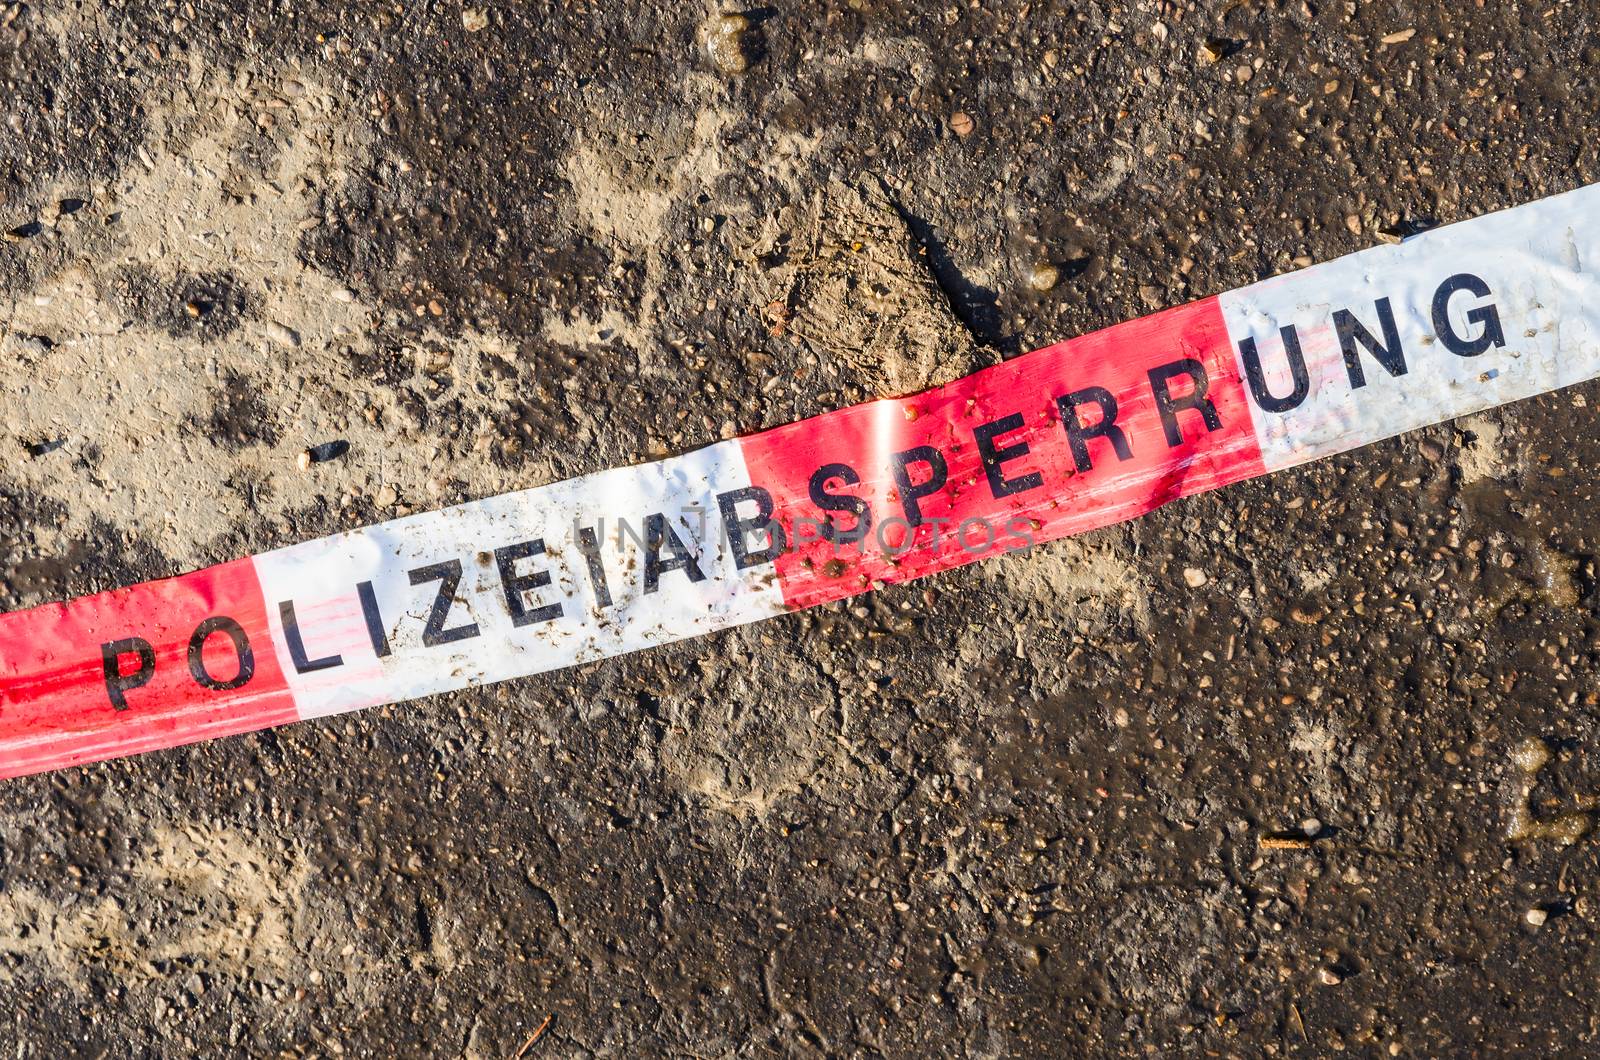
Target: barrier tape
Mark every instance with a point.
(1065, 439)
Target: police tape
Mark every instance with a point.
(1065, 439)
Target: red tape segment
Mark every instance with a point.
(137, 669)
(1065, 439)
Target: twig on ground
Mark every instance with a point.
(538, 1032)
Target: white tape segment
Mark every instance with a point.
(1061, 440)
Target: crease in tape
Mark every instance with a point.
(1074, 436)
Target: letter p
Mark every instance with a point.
(117, 682)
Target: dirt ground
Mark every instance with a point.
(1061, 803)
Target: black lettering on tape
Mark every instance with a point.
(658, 535)
(448, 575)
(241, 648)
(911, 494)
(993, 456)
(761, 521)
(297, 645)
(374, 620)
(589, 545)
(840, 502)
(1352, 333)
(1486, 316)
(119, 684)
(516, 585)
(1078, 435)
(1257, 378)
(1196, 399)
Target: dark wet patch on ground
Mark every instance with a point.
(102, 557)
(239, 416)
(204, 306)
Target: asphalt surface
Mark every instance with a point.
(1336, 797)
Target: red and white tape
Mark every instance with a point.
(1062, 440)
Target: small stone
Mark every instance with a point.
(1194, 577)
(303, 461)
(473, 19)
(386, 496)
(777, 314)
(961, 123)
(192, 309)
(1329, 977)
(1212, 51)
(322, 452)
(25, 231)
(282, 335)
(1311, 826)
(1353, 223)
(1432, 450)
(1043, 276)
(29, 347)
(724, 38)
(1283, 842)
(1398, 37)
(1536, 917)
(1530, 755)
